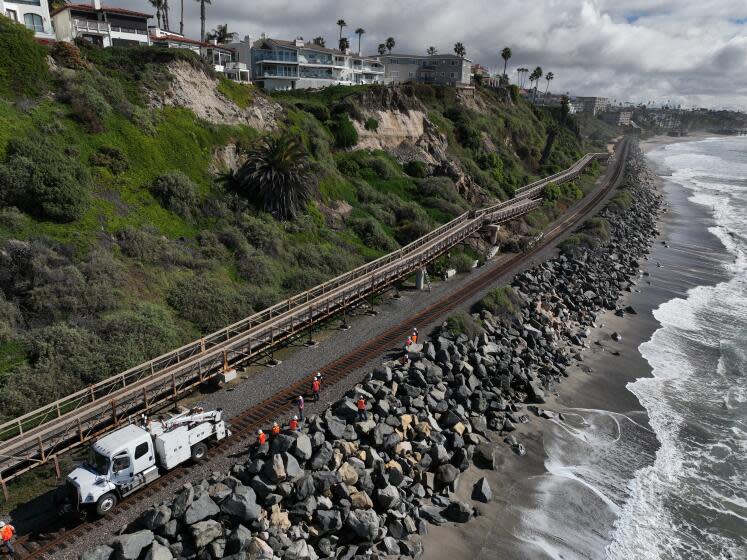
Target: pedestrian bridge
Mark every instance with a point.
(40, 436)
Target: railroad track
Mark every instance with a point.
(244, 425)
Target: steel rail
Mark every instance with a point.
(38, 437)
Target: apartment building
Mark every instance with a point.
(438, 69)
(285, 65)
(618, 118)
(34, 14)
(100, 25)
(593, 105)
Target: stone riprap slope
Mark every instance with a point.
(345, 488)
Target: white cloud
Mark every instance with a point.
(680, 50)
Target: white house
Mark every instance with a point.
(34, 14)
(101, 25)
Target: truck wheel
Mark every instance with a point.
(199, 452)
(106, 503)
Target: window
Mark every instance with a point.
(412, 74)
(452, 74)
(141, 449)
(12, 14)
(34, 22)
(395, 74)
(120, 463)
(443, 74)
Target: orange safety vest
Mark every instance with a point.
(294, 425)
(7, 532)
(275, 430)
(262, 439)
(415, 338)
(361, 404)
(315, 386)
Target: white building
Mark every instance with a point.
(100, 25)
(34, 14)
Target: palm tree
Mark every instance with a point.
(382, 48)
(341, 23)
(202, 17)
(344, 44)
(537, 73)
(319, 41)
(276, 176)
(505, 55)
(431, 51)
(165, 10)
(459, 49)
(360, 31)
(389, 44)
(549, 77)
(221, 34)
(181, 20)
(158, 5)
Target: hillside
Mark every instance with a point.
(123, 233)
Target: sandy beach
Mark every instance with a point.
(544, 501)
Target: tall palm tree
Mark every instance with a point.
(318, 41)
(549, 77)
(165, 10)
(276, 176)
(459, 49)
(344, 44)
(382, 48)
(221, 34)
(505, 55)
(341, 23)
(537, 73)
(158, 5)
(181, 20)
(360, 31)
(431, 51)
(519, 73)
(202, 17)
(390, 43)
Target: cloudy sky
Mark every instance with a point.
(689, 52)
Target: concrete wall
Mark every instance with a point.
(41, 10)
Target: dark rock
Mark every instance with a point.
(481, 491)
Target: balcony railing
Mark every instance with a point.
(134, 31)
(91, 25)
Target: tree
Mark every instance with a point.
(165, 10)
(221, 35)
(360, 31)
(276, 176)
(181, 19)
(341, 23)
(382, 49)
(549, 77)
(505, 55)
(158, 5)
(535, 76)
(565, 108)
(432, 51)
(459, 49)
(390, 43)
(202, 17)
(344, 44)
(318, 41)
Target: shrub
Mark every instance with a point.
(23, 69)
(372, 124)
(372, 234)
(463, 323)
(381, 167)
(241, 94)
(176, 192)
(68, 55)
(461, 262)
(87, 104)
(256, 267)
(320, 112)
(65, 353)
(344, 132)
(207, 302)
(416, 169)
(503, 303)
(597, 227)
(110, 158)
(348, 167)
(468, 136)
(39, 179)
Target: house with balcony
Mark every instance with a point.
(285, 65)
(34, 14)
(100, 25)
(437, 69)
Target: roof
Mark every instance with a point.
(109, 9)
(182, 39)
(434, 56)
(113, 442)
(309, 46)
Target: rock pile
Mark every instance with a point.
(345, 488)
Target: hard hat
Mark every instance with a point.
(274, 423)
(259, 431)
(295, 417)
(2, 524)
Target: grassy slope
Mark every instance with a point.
(164, 278)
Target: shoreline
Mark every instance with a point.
(597, 383)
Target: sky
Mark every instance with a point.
(684, 52)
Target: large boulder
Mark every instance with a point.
(302, 449)
(239, 540)
(101, 552)
(259, 550)
(388, 497)
(205, 532)
(155, 518)
(484, 456)
(159, 552)
(446, 474)
(242, 504)
(364, 522)
(202, 508)
(274, 469)
(458, 511)
(481, 491)
(129, 546)
(182, 502)
(348, 474)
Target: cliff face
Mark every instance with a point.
(192, 89)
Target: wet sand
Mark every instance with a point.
(531, 516)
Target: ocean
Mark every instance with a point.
(692, 501)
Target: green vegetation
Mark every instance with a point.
(372, 124)
(416, 169)
(23, 65)
(502, 302)
(241, 94)
(463, 323)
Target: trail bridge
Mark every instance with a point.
(40, 436)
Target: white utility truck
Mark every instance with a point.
(134, 456)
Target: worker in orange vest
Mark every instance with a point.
(415, 336)
(275, 431)
(261, 437)
(316, 387)
(6, 534)
(362, 414)
(294, 424)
